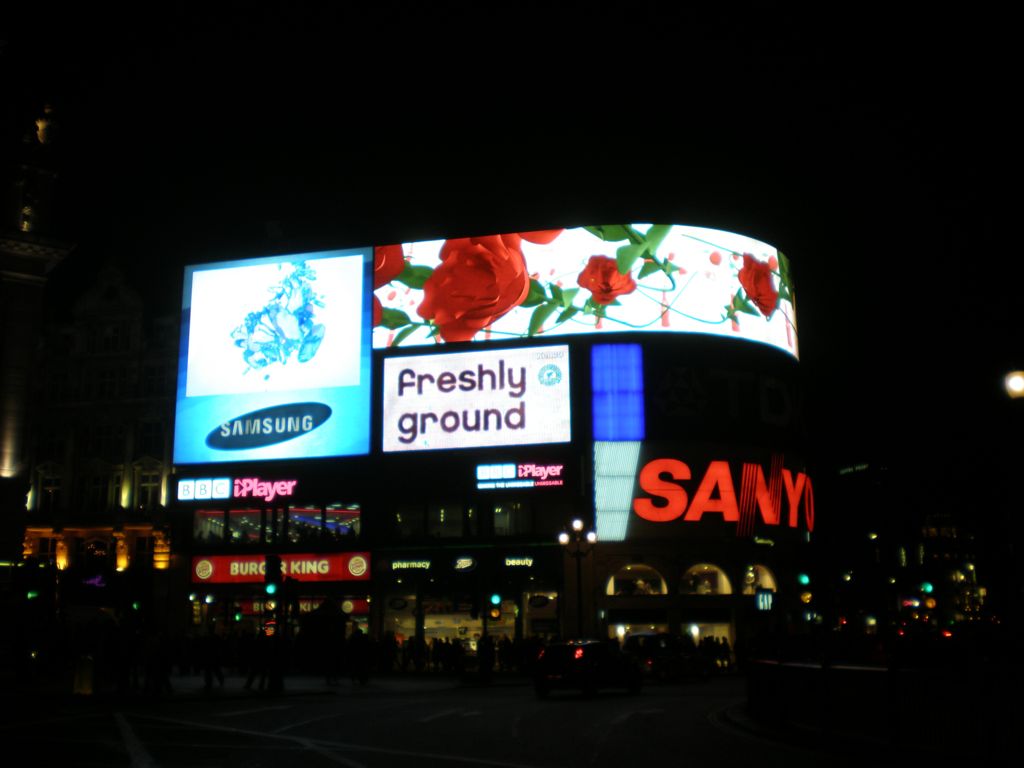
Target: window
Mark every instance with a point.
(147, 495)
(244, 526)
(151, 439)
(49, 490)
(144, 550)
(444, 520)
(633, 580)
(208, 526)
(705, 579)
(408, 521)
(512, 518)
(758, 577)
(342, 521)
(304, 524)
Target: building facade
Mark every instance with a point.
(542, 442)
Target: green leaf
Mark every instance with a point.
(435, 331)
(537, 295)
(669, 267)
(556, 294)
(655, 235)
(415, 277)
(740, 304)
(566, 314)
(784, 294)
(627, 255)
(568, 295)
(540, 314)
(649, 268)
(610, 233)
(784, 272)
(589, 306)
(403, 334)
(394, 318)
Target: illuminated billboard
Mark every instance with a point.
(647, 491)
(633, 277)
(477, 399)
(275, 359)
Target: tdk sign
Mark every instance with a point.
(268, 426)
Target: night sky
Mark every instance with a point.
(878, 153)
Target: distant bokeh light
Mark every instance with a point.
(1014, 383)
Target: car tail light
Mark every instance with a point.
(578, 653)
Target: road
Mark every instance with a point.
(410, 723)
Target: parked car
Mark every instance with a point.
(587, 666)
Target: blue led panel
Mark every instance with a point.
(617, 389)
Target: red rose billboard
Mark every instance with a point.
(633, 277)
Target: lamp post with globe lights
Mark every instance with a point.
(578, 543)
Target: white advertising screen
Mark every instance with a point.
(477, 399)
(654, 278)
(275, 358)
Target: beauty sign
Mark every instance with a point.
(476, 399)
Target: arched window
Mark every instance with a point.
(757, 577)
(705, 579)
(636, 580)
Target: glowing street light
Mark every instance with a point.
(578, 544)
(1014, 383)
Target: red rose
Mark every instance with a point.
(541, 236)
(479, 280)
(602, 278)
(388, 263)
(756, 279)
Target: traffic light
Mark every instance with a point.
(272, 574)
(495, 609)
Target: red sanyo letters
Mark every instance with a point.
(759, 496)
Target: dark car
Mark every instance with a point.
(587, 666)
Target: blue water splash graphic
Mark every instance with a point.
(286, 326)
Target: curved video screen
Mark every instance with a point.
(659, 278)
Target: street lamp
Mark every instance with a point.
(578, 543)
(1014, 384)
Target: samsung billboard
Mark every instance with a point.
(477, 399)
(275, 358)
(659, 278)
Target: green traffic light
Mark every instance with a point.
(927, 588)
(271, 588)
(495, 599)
(803, 578)
(31, 594)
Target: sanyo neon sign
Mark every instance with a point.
(759, 496)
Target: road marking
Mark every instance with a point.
(324, 752)
(444, 758)
(438, 715)
(136, 751)
(250, 711)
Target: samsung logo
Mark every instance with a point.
(268, 426)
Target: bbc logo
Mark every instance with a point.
(204, 488)
(495, 471)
